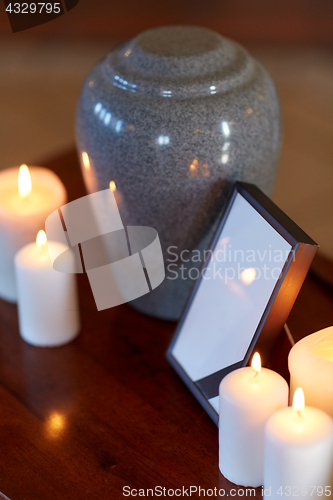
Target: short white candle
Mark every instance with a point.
(27, 197)
(311, 367)
(298, 452)
(47, 299)
(248, 397)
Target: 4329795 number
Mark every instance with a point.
(32, 8)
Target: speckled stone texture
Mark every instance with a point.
(174, 117)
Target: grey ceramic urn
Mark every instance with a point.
(174, 117)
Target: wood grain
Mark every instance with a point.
(106, 411)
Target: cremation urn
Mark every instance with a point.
(172, 119)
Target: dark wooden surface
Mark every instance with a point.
(106, 411)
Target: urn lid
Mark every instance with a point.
(178, 61)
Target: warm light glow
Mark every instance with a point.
(41, 239)
(205, 169)
(323, 347)
(24, 181)
(85, 159)
(298, 400)
(248, 275)
(324, 351)
(55, 424)
(112, 186)
(256, 363)
(194, 165)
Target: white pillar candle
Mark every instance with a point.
(47, 299)
(248, 397)
(298, 452)
(311, 367)
(27, 197)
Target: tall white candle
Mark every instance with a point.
(248, 397)
(27, 197)
(311, 367)
(298, 452)
(47, 299)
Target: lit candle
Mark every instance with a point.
(248, 397)
(27, 197)
(47, 299)
(298, 452)
(311, 367)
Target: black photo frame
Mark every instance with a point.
(214, 315)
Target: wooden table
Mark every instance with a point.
(107, 411)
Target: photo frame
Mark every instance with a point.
(248, 283)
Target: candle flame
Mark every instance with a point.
(112, 186)
(24, 181)
(298, 400)
(41, 239)
(256, 363)
(86, 161)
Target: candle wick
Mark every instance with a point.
(255, 373)
(299, 413)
